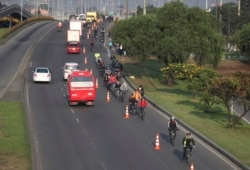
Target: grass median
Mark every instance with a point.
(179, 101)
(14, 143)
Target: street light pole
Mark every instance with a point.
(21, 4)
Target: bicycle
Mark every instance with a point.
(188, 155)
(172, 136)
(122, 95)
(132, 109)
(142, 113)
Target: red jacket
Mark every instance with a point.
(143, 103)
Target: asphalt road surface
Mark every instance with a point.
(97, 137)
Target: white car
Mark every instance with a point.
(69, 68)
(42, 74)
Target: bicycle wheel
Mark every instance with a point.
(142, 114)
(173, 138)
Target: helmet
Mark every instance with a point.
(172, 117)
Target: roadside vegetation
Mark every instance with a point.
(188, 44)
(15, 150)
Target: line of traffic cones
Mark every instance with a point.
(108, 97)
(126, 115)
(157, 142)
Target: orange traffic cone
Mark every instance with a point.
(85, 60)
(96, 83)
(84, 51)
(157, 142)
(108, 97)
(192, 166)
(126, 116)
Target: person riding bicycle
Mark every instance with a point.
(187, 142)
(141, 90)
(137, 95)
(172, 125)
(131, 102)
(91, 44)
(142, 104)
(117, 88)
(98, 58)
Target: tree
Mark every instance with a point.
(226, 89)
(242, 39)
(188, 31)
(231, 91)
(138, 35)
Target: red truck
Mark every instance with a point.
(81, 88)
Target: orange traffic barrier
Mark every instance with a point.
(108, 97)
(192, 166)
(126, 116)
(85, 60)
(96, 83)
(157, 142)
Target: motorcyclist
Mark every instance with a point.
(59, 26)
(172, 125)
(187, 142)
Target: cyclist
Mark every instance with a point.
(98, 58)
(141, 90)
(172, 125)
(117, 88)
(91, 44)
(132, 102)
(188, 142)
(137, 95)
(142, 104)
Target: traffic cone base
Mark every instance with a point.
(126, 116)
(192, 166)
(157, 142)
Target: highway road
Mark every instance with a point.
(97, 137)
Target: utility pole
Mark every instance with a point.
(144, 7)
(238, 7)
(126, 9)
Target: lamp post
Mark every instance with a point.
(21, 5)
(136, 6)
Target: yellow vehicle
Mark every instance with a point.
(91, 16)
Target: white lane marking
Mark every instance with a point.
(78, 121)
(85, 132)
(36, 154)
(103, 165)
(72, 111)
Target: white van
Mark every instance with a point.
(69, 68)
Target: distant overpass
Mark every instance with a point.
(14, 12)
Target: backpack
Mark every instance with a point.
(172, 124)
